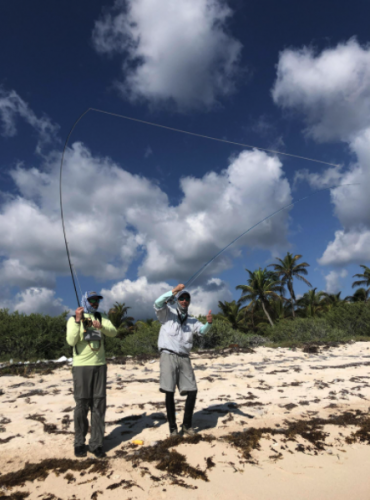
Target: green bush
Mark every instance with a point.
(342, 322)
(353, 318)
(38, 336)
(222, 335)
(143, 341)
(305, 330)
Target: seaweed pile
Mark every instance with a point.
(40, 471)
(171, 461)
(310, 430)
(50, 428)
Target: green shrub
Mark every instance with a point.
(342, 322)
(222, 335)
(38, 336)
(305, 330)
(143, 341)
(353, 318)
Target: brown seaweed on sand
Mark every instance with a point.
(36, 392)
(169, 460)
(126, 484)
(310, 430)
(41, 470)
(362, 435)
(181, 482)
(70, 478)
(6, 440)
(48, 428)
(94, 496)
(17, 495)
(247, 441)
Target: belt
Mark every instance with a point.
(173, 352)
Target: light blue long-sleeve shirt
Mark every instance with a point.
(174, 336)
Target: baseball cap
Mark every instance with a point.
(90, 295)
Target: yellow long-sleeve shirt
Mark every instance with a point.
(83, 355)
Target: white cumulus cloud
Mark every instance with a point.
(215, 209)
(352, 207)
(140, 295)
(332, 279)
(172, 51)
(38, 300)
(119, 217)
(330, 89)
(15, 273)
(348, 247)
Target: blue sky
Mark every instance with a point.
(145, 208)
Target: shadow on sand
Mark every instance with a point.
(128, 427)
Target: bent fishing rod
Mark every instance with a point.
(183, 132)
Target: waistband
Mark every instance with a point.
(173, 352)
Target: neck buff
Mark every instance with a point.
(183, 310)
(86, 305)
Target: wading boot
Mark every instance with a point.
(174, 432)
(98, 452)
(80, 451)
(187, 431)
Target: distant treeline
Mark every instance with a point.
(267, 311)
(38, 336)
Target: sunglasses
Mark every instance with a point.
(94, 301)
(184, 299)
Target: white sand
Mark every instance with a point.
(227, 385)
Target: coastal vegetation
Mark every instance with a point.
(268, 312)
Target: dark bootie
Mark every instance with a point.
(171, 416)
(189, 410)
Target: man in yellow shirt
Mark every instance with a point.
(85, 333)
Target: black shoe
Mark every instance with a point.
(98, 452)
(80, 451)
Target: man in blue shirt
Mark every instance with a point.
(174, 343)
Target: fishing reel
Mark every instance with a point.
(87, 323)
(171, 300)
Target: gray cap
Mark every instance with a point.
(183, 292)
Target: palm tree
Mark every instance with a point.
(360, 295)
(231, 312)
(118, 316)
(311, 304)
(331, 299)
(365, 278)
(289, 269)
(281, 309)
(262, 285)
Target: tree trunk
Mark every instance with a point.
(290, 287)
(267, 314)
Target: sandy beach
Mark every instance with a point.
(272, 423)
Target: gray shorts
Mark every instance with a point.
(176, 371)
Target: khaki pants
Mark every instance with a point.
(89, 390)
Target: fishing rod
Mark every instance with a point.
(61, 204)
(173, 130)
